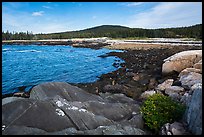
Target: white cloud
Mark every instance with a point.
(168, 14)
(38, 13)
(29, 23)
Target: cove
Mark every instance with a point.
(29, 65)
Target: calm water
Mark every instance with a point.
(31, 65)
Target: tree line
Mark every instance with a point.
(113, 31)
(17, 35)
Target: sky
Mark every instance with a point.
(50, 17)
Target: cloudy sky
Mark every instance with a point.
(48, 17)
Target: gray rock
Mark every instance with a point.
(193, 114)
(185, 99)
(10, 99)
(82, 118)
(71, 93)
(167, 83)
(37, 114)
(137, 121)
(174, 92)
(190, 79)
(175, 128)
(23, 130)
(114, 98)
(119, 130)
(61, 109)
(68, 131)
(174, 89)
(115, 129)
(175, 96)
(112, 111)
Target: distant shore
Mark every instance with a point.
(104, 42)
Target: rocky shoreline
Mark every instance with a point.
(141, 72)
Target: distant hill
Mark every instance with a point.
(116, 31)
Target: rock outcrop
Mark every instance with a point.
(181, 60)
(60, 108)
(189, 64)
(193, 114)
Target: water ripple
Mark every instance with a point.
(31, 65)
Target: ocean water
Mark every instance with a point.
(32, 64)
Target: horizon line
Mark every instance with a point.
(101, 26)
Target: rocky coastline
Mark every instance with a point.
(111, 104)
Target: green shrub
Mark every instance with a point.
(159, 109)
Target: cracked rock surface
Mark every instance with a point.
(62, 109)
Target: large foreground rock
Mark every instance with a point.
(59, 108)
(64, 90)
(193, 114)
(181, 60)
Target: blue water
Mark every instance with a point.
(31, 65)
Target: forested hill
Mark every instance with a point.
(115, 31)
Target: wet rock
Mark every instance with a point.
(143, 81)
(113, 88)
(181, 60)
(193, 114)
(116, 65)
(130, 74)
(190, 79)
